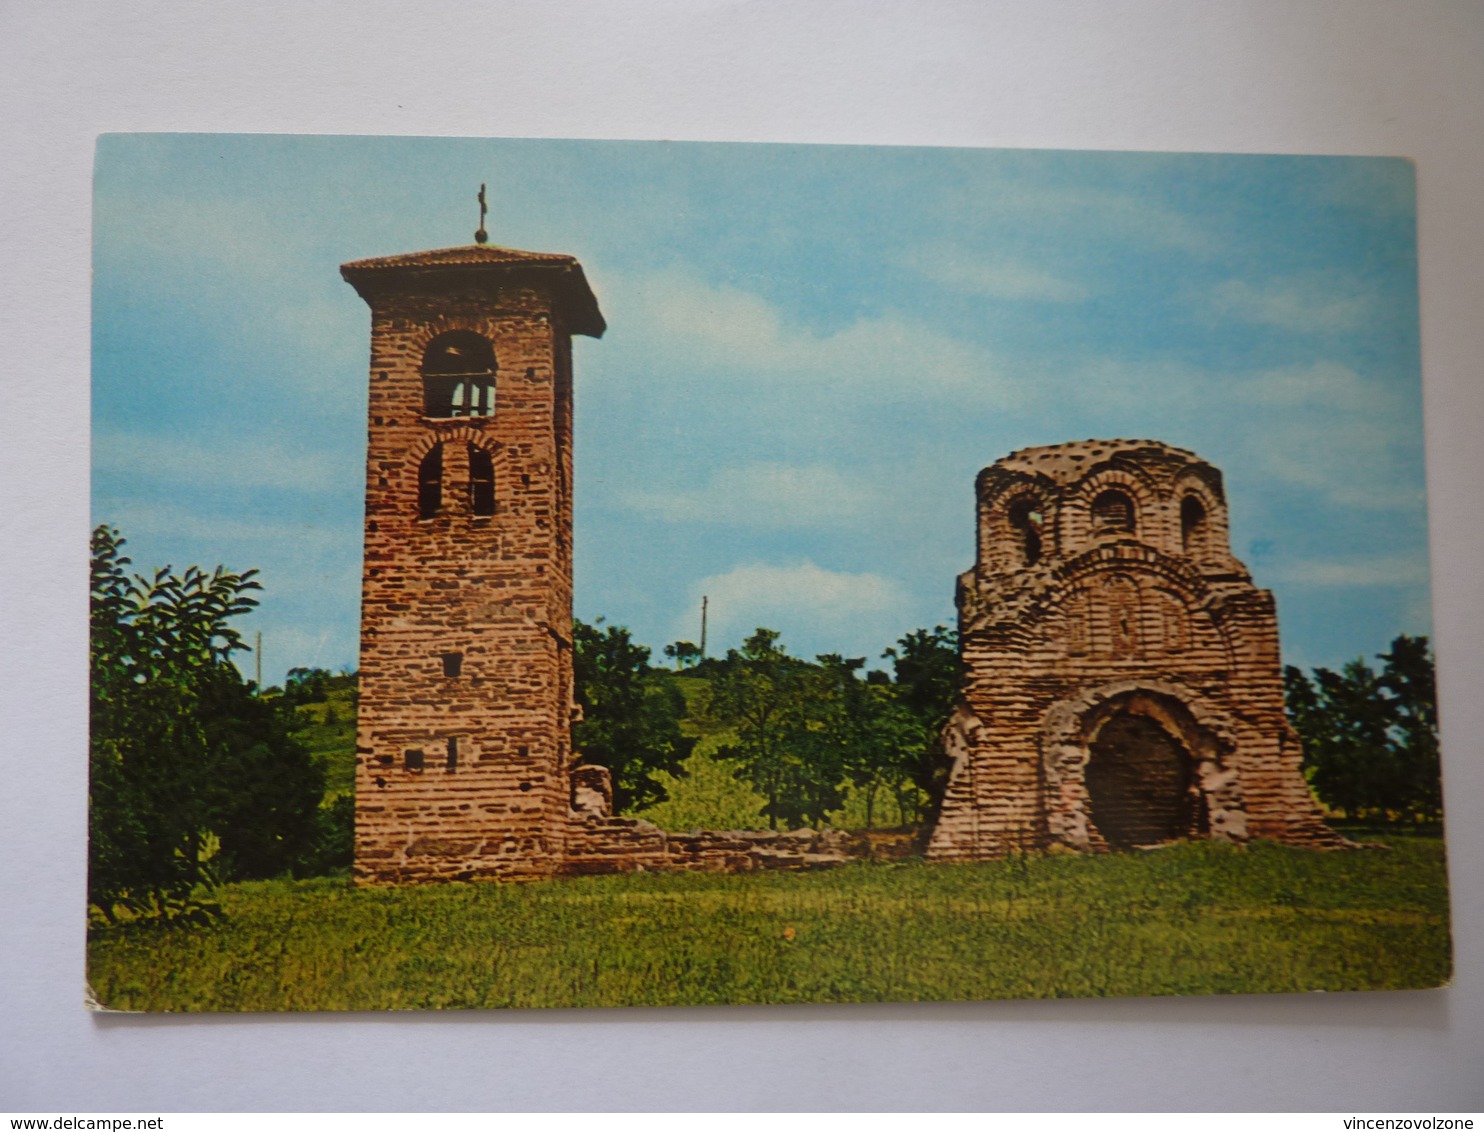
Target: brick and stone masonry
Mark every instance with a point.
(463, 747)
(464, 765)
(1122, 684)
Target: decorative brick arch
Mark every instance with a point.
(438, 325)
(1142, 493)
(1212, 547)
(456, 474)
(458, 432)
(1206, 733)
(998, 533)
(1167, 585)
(1010, 513)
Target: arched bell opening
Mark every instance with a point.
(459, 376)
(1026, 520)
(1194, 527)
(1113, 513)
(1142, 786)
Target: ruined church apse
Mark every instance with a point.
(811, 352)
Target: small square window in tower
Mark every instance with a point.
(459, 376)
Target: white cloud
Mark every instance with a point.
(1396, 570)
(1347, 437)
(1310, 304)
(1356, 463)
(992, 278)
(1324, 385)
(680, 325)
(1084, 211)
(1329, 429)
(236, 240)
(815, 609)
(247, 463)
(177, 525)
(762, 495)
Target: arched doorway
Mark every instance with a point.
(1141, 784)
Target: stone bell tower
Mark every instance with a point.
(463, 750)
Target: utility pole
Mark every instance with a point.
(703, 626)
(257, 659)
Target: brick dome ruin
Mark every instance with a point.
(1121, 677)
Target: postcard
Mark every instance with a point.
(566, 573)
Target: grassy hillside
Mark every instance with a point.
(1193, 918)
(328, 729)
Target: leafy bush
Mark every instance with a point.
(193, 779)
(334, 839)
(631, 714)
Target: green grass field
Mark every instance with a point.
(1188, 919)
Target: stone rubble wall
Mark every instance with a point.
(596, 845)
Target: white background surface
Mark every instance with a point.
(1292, 76)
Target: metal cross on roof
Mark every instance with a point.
(480, 235)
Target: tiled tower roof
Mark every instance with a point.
(578, 304)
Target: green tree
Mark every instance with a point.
(1410, 681)
(1370, 739)
(790, 722)
(631, 714)
(874, 737)
(926, 667)
(306, 685)
(683, 653)
(192, 778)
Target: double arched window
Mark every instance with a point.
(459, 376)
(481, 486)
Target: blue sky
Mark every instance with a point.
(811, 352)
